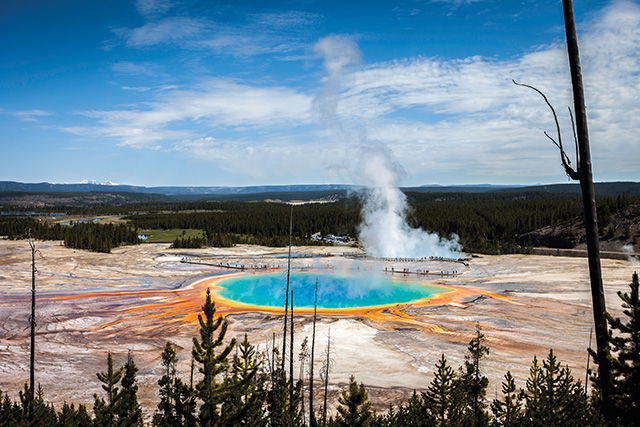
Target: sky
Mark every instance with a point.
(208, 93)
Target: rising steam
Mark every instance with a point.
(384, 231)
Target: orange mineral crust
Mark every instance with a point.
(183, 305)
(139, 297)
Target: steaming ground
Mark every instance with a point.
(548, 306)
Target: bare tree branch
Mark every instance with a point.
(575, 136)
(566, 161)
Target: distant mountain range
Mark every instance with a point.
(83, 187)
(610, 189)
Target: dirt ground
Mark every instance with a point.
(139, 297)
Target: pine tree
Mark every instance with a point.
(9, 412)
(553, 397)
(83, 418)
(625, 360)
(70, 417)
(209, 390)
(354, 408)
(127, 408)
(277, 396)
(177, 403)
(284, 411)
(35, 412)
(413, 414)
(507, 413)
(104, 411)
(165, 416)
(473, 383)
(243, 404)
(442, 398)
(67, 416)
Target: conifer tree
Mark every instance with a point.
(243, 404)
(35, 412)
(553, 398)
(127, 408)
(70, 417)
(442, 398)
(625, 360)
(284, 411)
(9, 412)
(473, 383)
(507, 412)
(277, 396)
(413, 414)
(83, 418)
(177, 403)
(166, 416)
(104, 411)
(208, 389)
(67, 416)
(354, 409)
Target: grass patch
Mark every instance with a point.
(168, 236)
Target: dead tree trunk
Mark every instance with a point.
(32, 319)
(273, 357)
(291, 354)
(589, 203)
(312, 415)
(326, 379)
(286, 303)
(584, 174)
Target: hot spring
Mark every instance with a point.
(334, 291)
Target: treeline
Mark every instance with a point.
(244, 388)
(259, 223)
(188, 242)
(91, 236)
(493, 226)
(227, 240)
(100, 237)
(486, 223)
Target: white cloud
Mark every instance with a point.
(153, 8)
(30, 115)
(457, 3)
(216, 103)
(138, 68)
(458, 118)
(258, 34)
(136, 88)
(169, 30)
(257, 158)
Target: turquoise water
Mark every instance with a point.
(334, 291)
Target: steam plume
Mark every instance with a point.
(628, 249)
(384, 231)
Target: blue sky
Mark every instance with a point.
(170, 92)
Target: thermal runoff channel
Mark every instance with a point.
(334, 291)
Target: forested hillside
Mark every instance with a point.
(490, 223)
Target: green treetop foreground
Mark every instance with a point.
(251, 389)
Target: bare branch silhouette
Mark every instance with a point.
(575, 136)
(566, 161)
